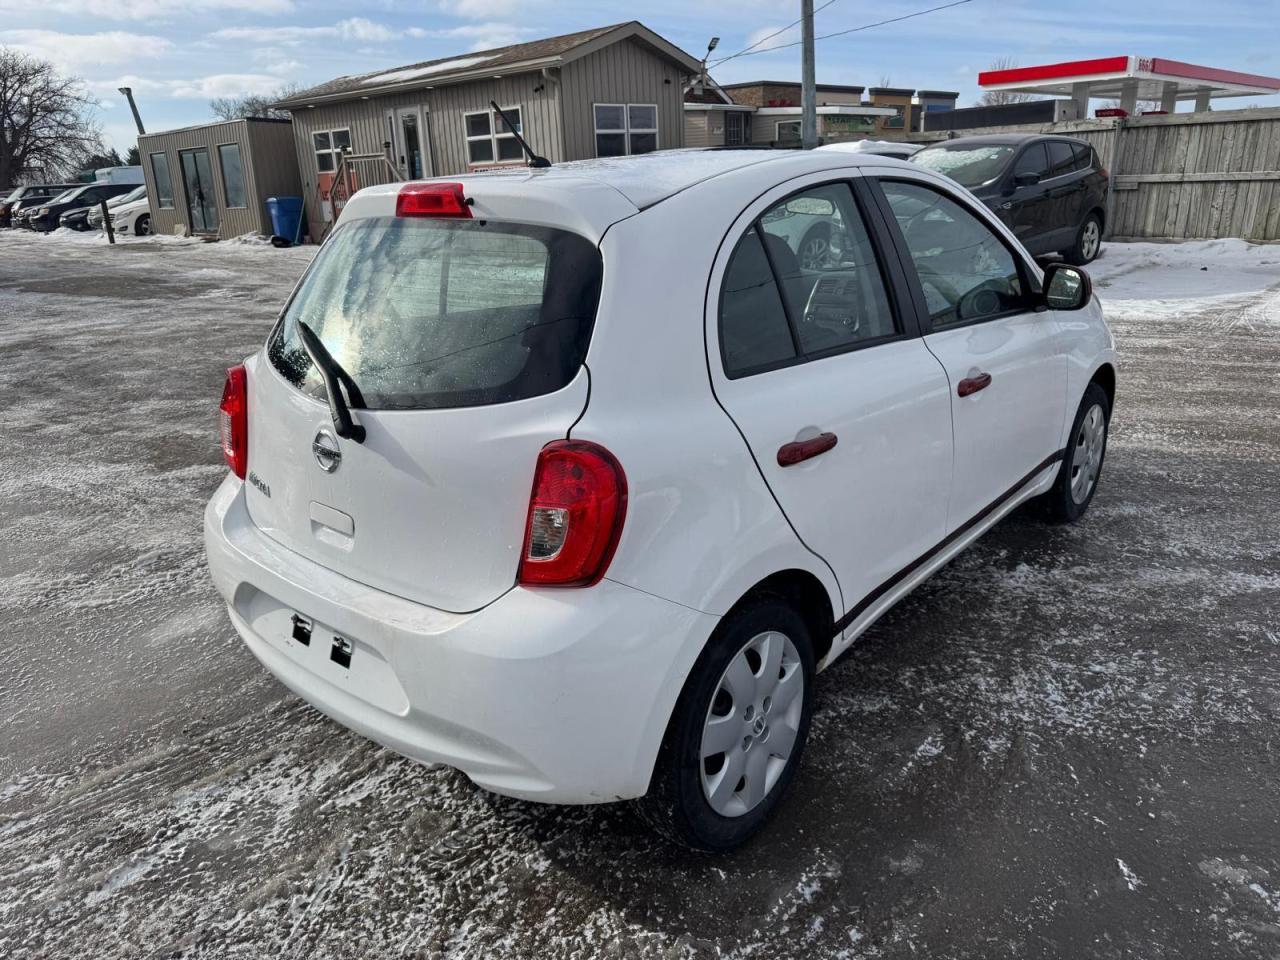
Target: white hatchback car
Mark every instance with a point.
(573, 479)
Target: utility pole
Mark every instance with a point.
(808, 80)
(137, 118)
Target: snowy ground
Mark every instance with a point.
(1064, 745)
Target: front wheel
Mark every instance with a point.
(737, 732)
(1088, 242)
(143, 226)
(1082, 464)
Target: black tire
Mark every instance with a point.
(1063, 503)
(142, 226)
(1088, 242)
(676, 805)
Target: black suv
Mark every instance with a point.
(45, 216)
(28, 195)
(1050, 191)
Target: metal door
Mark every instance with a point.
(197, 179)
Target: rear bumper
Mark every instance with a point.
(560, 696)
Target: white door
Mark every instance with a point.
(1004, 364)
(410, 143)
(845, 410)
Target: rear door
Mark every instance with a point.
(1003, 358)
(466, 340)
(1067, 189)
(845, 410)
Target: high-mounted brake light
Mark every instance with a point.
(234, 419)
(433, 200)
(575, 515)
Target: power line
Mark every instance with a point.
(746, 50)
(750, 51)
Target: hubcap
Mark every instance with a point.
(752, 724)
(1086, 461)
(814, 253)
(1092, 237)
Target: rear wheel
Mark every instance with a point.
(1082, 465)
(1088, 242)
(737, 732)
(815, 248)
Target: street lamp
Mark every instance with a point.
(702, 77)
(127, 92)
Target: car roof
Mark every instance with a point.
(1009, 139)
(590, 195)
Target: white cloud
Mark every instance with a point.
(482, 9)
(137, 9)
(354, 29)
(71, 51)
(224, 85)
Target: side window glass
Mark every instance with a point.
(753, 325)
(1062, 159)
(1033, 160)
(966, 271)
(1084, 156)
(827, 268)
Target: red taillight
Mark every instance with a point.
(432, 200)
(575, 515)
(234, 419)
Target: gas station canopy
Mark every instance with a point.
(1129, 79)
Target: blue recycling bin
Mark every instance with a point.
(286, 217)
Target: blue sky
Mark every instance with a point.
(178, 54)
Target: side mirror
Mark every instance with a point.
(1028, 178)
(1066, 287)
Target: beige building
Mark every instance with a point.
(767, 112)
(610, 91)
(215, 179)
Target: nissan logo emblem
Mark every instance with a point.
(326, 451)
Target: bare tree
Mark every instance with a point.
(252, 105)
(47, 125)
(1141, 107)
(998, 98)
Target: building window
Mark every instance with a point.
(623, 128)
(164, 185)
(787, 130)
(489, 139)
(232, 174)
(329, 145)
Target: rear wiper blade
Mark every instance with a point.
(334, 378)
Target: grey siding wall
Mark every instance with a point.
(626, 72)
(445, 108)
(271, 170)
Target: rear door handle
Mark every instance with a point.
(798, 451)
(973, 384)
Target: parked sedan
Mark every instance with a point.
(45, 217)
(522, 485)
(114, 205)
(31, 194)
(1050, 191)
(132, 219)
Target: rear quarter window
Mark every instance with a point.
(428, 314)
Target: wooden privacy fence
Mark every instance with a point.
(1183, 176)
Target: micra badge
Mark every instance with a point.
(257, 482)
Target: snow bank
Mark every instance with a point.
(1193, 270)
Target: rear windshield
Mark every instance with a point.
(426, 313)
(970, 165)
